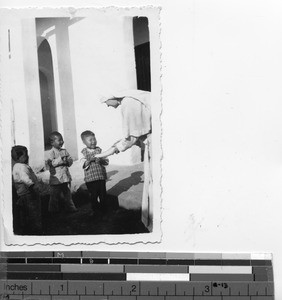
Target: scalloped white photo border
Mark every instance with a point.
(6, 234)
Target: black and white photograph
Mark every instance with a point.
(144, 135)
(84, 101)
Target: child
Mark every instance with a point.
(26, 185)
(59, 160)
(94, 171)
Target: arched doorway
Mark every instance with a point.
(47, 91)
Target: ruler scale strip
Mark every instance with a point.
(133, 275)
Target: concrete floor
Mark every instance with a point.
(124, 186)
(124, 182)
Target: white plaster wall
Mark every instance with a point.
(18, 95)
(21, 90)
(102, 61)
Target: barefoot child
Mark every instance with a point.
(26, 185)
(94, 171)
(59, 162)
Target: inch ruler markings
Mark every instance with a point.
(134, 275)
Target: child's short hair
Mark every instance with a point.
(86, 133)
(18, 151)
(53, 135)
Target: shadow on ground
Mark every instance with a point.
(118, 220)
(125, 184)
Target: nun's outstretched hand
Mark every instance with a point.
(107, 153)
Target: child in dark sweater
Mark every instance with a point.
(26, 185)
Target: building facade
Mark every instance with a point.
(58, 69)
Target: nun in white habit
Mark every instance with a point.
(136, 128)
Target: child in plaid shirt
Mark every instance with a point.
(94, 171)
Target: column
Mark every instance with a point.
(32, 92)
(66, 87)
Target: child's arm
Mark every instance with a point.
(69, 159)
(25, 176)
(104, 161)
(107, 153)
(56, 162)
(119, 146)
(22, 174)
(86, 164)
(85, 160)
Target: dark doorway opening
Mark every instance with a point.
(47, 91)
(142, 53)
